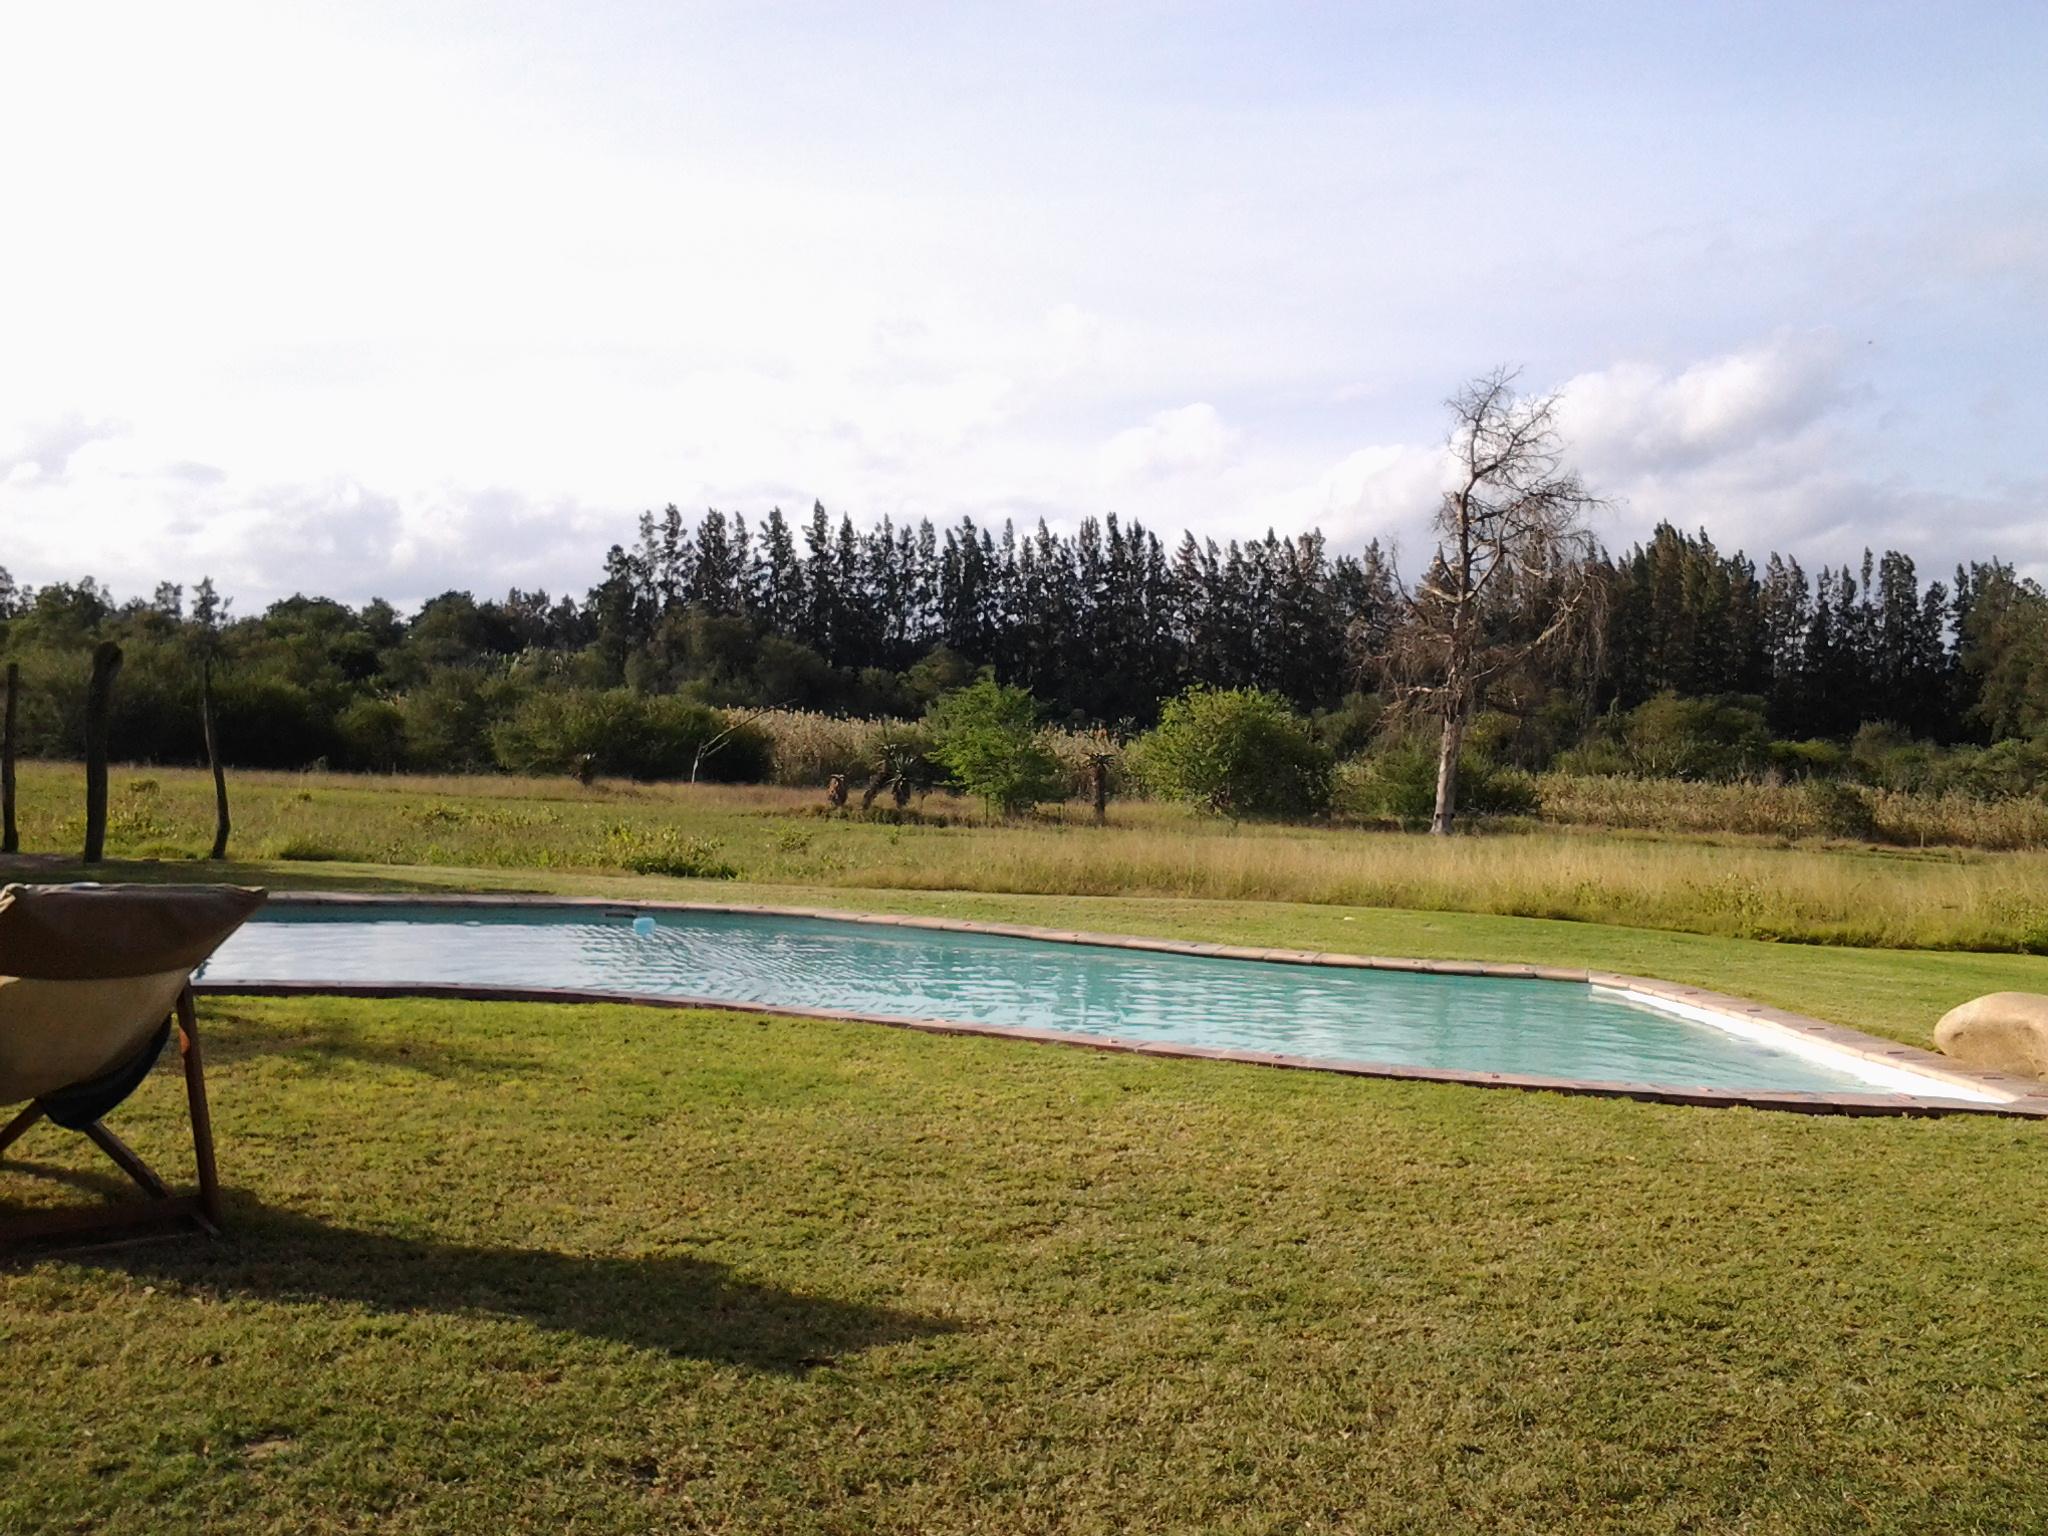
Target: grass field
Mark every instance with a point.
(1740, 887)
(503, 1269)
(514, 1268)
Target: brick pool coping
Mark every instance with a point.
(2019, 1096)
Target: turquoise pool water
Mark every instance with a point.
(1464, 1023)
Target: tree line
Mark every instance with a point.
(1102, 625)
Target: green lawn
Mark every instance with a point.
(518, 1268)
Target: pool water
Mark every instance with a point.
(1459, 1023)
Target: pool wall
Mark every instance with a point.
(1989, 1092)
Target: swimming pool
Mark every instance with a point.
(1543, 1030)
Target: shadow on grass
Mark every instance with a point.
(322, 1042)
(48, 1177)
(671, 1304)
(305, 875)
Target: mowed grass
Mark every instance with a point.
(1751, 888)
(517, 1268)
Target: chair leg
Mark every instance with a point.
(125, 1159)
(195, 1099)
(18, 1125)
(162, 1208)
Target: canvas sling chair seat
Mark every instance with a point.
(94, 979)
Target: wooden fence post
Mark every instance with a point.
(99, 698)
(220, 776)
(10, 834)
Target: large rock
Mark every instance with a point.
(2002, 1032)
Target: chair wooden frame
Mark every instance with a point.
(159, 1208)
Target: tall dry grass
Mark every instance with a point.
(1793, 810)
(808, 748)
(1948, 899)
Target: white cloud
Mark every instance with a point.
(1771, 447)
(1388, 491)
(43, 450)
(1635, 418)
(1187, 440)
(420, 299)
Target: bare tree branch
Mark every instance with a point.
(1514, 528)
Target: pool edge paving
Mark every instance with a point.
(2013, 1097)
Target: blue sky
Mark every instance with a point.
(384, 299)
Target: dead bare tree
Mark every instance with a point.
(1515, 520)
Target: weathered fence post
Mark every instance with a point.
(99, 698)
(220, 776)
(10, 834)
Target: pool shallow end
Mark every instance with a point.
(1906, 1081)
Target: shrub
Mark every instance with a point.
(1839, 810)
(1235, 752)
(986, 736)
(1705, 738)
(901, 759)
(619, 732)
(307, 850)
(666, 852)
(2005, 770)
(1813, 759)
(267, 722)
(371, 734)
(1350, 728)
(790, 672)
(448, 719)
(937, 673)
(1886, 757)
(1398, 783)
(1599, 754)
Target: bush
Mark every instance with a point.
(1886, 757)
(448, 719)
(1720, 737)
(901, 759)
(266, 722)
(1350, 728)
(1813, 759)
(2005, 770)
(1398, 783)
(1599, 754)
(625, 734)
(1235, 752)
(986, 736)
(666, 852)
(1839, 810)
(371, 734)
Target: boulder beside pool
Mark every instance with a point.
(2002, 1031)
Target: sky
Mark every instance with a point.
(383, 299)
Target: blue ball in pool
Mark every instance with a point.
(644, 926)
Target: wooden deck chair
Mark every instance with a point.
(92, 980)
